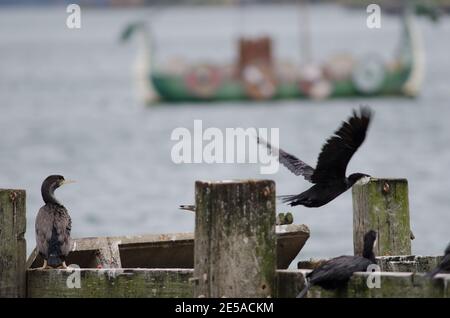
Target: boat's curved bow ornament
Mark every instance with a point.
(142, 67)
(413, 53)
(256, 75)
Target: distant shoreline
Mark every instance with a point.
(392, 6)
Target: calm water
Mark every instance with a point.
(67, 105)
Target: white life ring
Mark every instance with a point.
(369, 74)
(258, 81)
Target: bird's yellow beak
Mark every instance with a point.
(67, 182)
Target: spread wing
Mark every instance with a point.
(339, 149)
(295, 165)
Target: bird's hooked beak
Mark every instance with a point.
(67, 182)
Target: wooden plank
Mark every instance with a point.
(109, 283)
(173, 250)
(179, 283)
(142, 283)
(289, 283)
(382, 205)
(92, 252)
(290, 241)
(402, 263)
(408, 263)
(235, 242)
(392, 285)
(12, 243)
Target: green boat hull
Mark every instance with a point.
(345, 76)
(173, 88)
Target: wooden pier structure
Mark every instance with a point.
(236, 251)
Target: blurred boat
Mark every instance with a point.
(257, 75)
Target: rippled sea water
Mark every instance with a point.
(68, 105)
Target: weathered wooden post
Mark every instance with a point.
(382, 205)
(12, 243)
(235, 242)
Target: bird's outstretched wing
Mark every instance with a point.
(295, 165)
(339, 149)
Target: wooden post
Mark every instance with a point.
(235, 242)
(12, 243)
(382, 205)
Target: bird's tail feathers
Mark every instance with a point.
(54, 250)
(187, 207)
(434, 272)
(292, 199)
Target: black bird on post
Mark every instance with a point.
(336, 272)
(53, 225)
(329, 176)
(444, 266)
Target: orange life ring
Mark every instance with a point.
(203, 80)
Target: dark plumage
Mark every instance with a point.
(329, 176)
(444, 266)
(188, 207)
(336, 272)
(53, 225)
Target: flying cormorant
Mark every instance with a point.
(444, 266)
(53, 225)
(336, 272)
(329, 176)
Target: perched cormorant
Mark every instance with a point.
(329, 176)
(444, 266)
(53, 225)
(336, 272)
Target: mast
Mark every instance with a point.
(304, 33)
